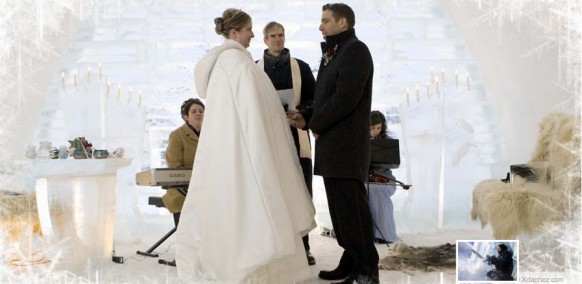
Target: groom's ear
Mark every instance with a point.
(343, 23)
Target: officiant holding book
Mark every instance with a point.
(291, 74)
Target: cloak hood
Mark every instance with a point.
(205, 65)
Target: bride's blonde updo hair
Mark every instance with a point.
(231, 19)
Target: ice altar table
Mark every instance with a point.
(76, 204)
(77, 198)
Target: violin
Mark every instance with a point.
(379, 179)
(375, 177)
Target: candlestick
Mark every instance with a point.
(427, 90)
(431, 74)
(63, 79)
(456, 79)
(100, 71)
(103, 121)
(75, 78)
(468, 88)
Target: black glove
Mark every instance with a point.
(487, 259)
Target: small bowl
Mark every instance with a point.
(100, 154)
(79, 154)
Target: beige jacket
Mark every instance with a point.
(181, 147)
(181, 151)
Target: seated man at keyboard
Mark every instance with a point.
(181, 151)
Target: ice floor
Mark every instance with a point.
(139, 269)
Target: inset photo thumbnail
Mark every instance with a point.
(487, 261)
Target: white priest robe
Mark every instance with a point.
(247, 205)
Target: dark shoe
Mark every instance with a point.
(335, 274)
(360, 279)
(380, 241)
(366, 279)
(348, 280)
(310, 258)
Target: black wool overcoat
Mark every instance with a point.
(341, 109)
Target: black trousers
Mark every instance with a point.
(308, 176)
(352, 223)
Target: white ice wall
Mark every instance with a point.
(33, 36)
(529, 55)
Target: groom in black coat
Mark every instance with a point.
(340, 122)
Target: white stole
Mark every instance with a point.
(304, 145)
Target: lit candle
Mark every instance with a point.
(129, 96)
(75, 78)
(468, 88)
(88, 74)
(431, 74)
(139, 99)
(100, 71)
(427, 90)
(417, 90)
(407, 97)
(437, 86)
(63, 79)
(108, 87)
(456, 79)
(118, 91)
(443, 75)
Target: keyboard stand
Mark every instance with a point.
(149, 252)
(157, 201)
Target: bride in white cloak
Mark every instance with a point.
(247, 206)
